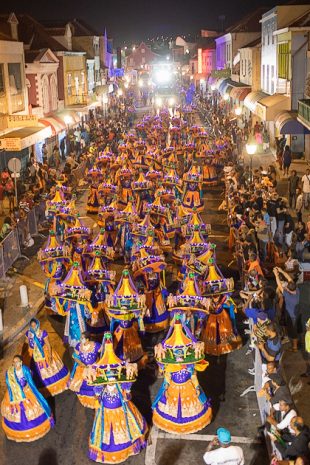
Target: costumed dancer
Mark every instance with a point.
(147, 266)
(71, 299)
(54, 260)
(26, 414)
(126, 309)
(181, 406)
(219, 333)
(192, 190)
(49, 373)
(85, 355)
(119, 430)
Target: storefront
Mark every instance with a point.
(21, 142)
(250, 105)
(268, 108)
(286, 123)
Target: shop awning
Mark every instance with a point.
(269, 106)
(223, 86)
(57, 124)
(252, 98)
(287, 123)
(20, 139)
(239, 93)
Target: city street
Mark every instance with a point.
(223, 381)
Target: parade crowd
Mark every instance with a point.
(145, 186)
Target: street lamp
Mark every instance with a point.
(68, 119)
(251, 148)
(226, 97)
(238, 111)
(213, 87)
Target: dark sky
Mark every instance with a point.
(132, 20)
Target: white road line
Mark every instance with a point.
(206, 437)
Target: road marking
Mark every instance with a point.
(207, 437)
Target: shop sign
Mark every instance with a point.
(18, 121)
(221, 73)
(11, 144)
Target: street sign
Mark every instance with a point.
(14, 165)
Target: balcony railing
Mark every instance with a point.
(304, 112)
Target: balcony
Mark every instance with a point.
(304, 112)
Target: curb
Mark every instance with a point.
(22, 323)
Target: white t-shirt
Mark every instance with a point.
(285, 422)
(231, 455)
(306, 183)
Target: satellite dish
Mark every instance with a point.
(14, 165)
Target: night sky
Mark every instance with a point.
(133, 20)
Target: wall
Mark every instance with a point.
(299, 48)
(75, 65)
(13, 52)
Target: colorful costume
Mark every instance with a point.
(181, 406)
(119, 429)
(50, 374)
(26, 414)
(85, 356)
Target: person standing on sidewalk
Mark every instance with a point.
(306, 188)
(307, 351)
(299, 204)
(287, 159)
(293, 182)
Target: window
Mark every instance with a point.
(263, 77)
(284, 60)
(15, 78)
(143, 60)
(2, 88)
(142, 50)
(69, 83)
(82, 79)
(267, 77)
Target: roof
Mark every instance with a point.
(206, 42)
(80, 27)
(5, 28)
(37, 55)
(249, 23)
(254, 43)
(35, 36)
(303, 21)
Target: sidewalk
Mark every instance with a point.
(15, 318)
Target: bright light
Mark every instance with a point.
(126, 85)
(251, 148)
(119, 92)
(238, 111)
(140, 83)
(158, 101)
(213, 87)
(68, 119)
(162, 76)
(226, 97)
(105, 99)
(171, 101)
(149, 83)
(167, 57)
(133, 48)
(127, 78)
(192, 77)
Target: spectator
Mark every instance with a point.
(282, 415)
(295, 444)
(288, 230)
(293, 181)
(287, 159)
(1, 198)
(299, 204)
(225, 452)
(306, 188)
(271, 350)
(291, 297)
(9, 191)
(307, 350)
(300, 232)
(6, 227)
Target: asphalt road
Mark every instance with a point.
(224, 380)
